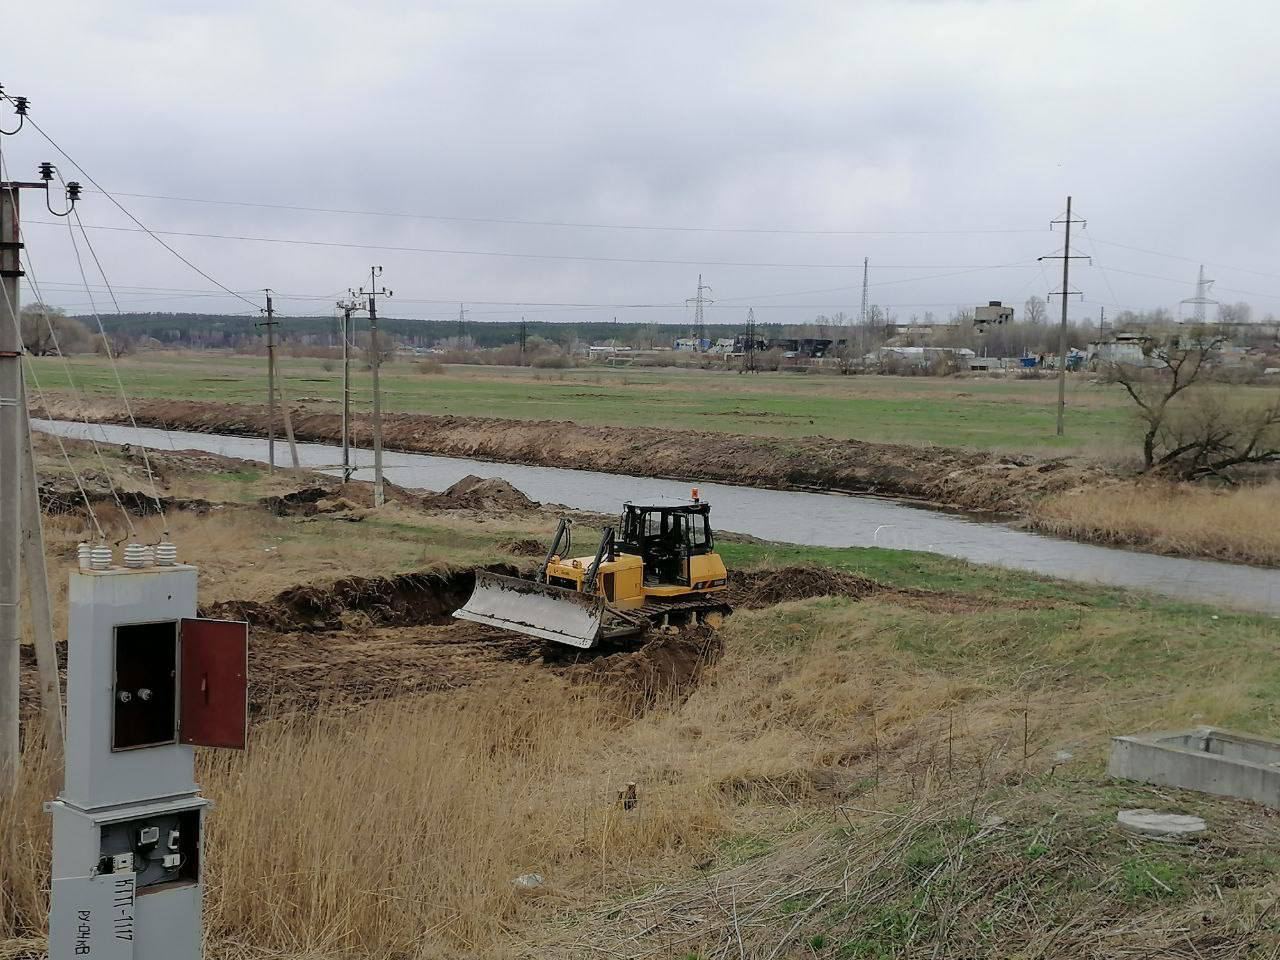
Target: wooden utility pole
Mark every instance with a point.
(270, 324)
(375, 361)
(347, 307)
(1066, 259)
(1062, 330)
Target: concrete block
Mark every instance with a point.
(1207, 759)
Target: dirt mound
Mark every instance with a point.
(489, 494)
(410, 599)
(525, 547)
(666, 666)
(754, 589)
(308, 502)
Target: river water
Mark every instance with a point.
(817, 519)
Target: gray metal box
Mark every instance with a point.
(98, 775)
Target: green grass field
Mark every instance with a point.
(1004, 415)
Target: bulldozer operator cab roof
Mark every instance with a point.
(666, 525)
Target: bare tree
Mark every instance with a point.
(47, 330)
(1234, 312)
(1033, 311)
(1206, 432)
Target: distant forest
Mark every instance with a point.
(213, 330)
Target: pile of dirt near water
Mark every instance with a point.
(754, 589)
(480, 493)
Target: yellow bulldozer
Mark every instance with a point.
(657, 568)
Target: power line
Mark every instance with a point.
(141, 226)
(572, 224)
(349, 245)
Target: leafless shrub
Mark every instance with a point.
(1205, 432)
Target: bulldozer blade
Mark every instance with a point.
(535, 610)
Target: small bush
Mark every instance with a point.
(552, 362)
(431, 366)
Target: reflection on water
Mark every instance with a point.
(817, 519)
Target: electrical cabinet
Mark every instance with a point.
(180, 681)
(147, 681)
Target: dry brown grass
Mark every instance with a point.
(1239, 524)
(395, 830)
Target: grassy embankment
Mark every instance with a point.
(1012, 415)
(869, 778)
(998, 415)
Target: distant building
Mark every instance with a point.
(993, 312)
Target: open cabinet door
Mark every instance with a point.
(213, 685)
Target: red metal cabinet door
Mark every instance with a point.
(214, 693)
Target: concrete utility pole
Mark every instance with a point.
(12, 413)
(270, 324)
(1066, 259)
(39, 606)
(375, 361)
(524, 339)
(17, 472)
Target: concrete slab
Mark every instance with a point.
(1149, 823)
(1208, 759)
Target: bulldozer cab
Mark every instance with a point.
(666, 533)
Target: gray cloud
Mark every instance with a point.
(881, 116)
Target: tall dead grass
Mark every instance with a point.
(1238, 525)
(398, 831)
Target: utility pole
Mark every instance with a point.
(462, 328)
(270, 324)
(371, 296)
(699, 322)
(1202, 298)
(524, 339)
(1102, 321)
(866, 276)
(15, 462)
(347, 307)
(749, 348)
(11, 416)
(1066, 259)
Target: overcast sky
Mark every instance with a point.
(942, 136)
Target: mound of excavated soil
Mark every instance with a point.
(754, 589)
(525, 547)
(492, 494)
(667, 665)
(970, 480)
(410, 599)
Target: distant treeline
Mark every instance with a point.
(213, 330)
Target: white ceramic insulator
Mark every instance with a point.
(100, 557)
(84, 554)
(166, 554)
(148, 555)
(133, 555)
